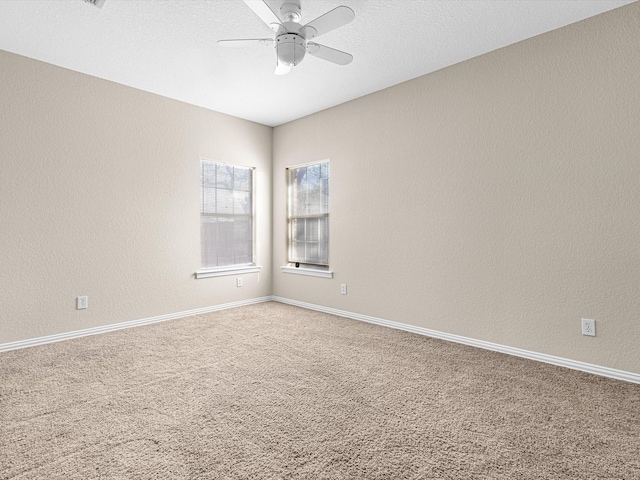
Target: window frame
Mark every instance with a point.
(301, 267)
(236, 268)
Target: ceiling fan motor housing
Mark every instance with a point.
(290, 48)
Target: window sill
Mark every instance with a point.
(312, 272)
(230, 270)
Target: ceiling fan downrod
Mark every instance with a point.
(291, 12)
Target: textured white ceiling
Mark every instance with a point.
(168, 47)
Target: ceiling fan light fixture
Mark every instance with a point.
(290, 49)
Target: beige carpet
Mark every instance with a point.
(271, 391)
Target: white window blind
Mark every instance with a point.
(226, 215)
(308, 214)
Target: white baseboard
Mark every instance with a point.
(540, 357)
(31, 342)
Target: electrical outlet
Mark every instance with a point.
(589, 327)
(343, 288)
(238, 282)
(82, 303)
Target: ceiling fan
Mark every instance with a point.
(292, 39)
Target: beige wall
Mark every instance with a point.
(497, 199)
(99, 196)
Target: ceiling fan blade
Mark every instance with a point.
(247, 42)
(331, 20)
(330, 54)
(263, 11)
(281, 68)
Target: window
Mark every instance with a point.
(308, 215)
(226, 216)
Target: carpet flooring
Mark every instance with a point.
(272, 391)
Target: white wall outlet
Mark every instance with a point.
(82, 303)
(343, 288)
(238, 282)
(588, 327)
